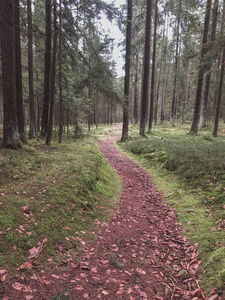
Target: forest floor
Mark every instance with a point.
(139, 254)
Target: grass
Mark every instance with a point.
(190, 172)
(50, 196)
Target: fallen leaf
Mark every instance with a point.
(85, 296)
(17, 286)
(3, 278)
(140, 271)
(105, 293)
(79, 288)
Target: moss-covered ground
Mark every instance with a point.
(50, 198)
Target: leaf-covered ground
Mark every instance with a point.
(139, 254)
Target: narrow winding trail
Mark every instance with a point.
(139, 254)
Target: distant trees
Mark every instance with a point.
(59, 65)
(52, 75)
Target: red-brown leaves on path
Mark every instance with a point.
(139, 254)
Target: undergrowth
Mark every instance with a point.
(190, 172)
(51, 196)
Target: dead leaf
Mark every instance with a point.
(17, 286)
(3, 278)
(105, 293)
(140, 271)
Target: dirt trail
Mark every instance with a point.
(139, 254)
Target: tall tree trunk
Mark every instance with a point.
(187, 94)
(146, 68)
(203, 114)
(135, 112)
(173, 106)
(30, 71)
(218, 103)
(194, 126)
(52, 83)
(19, 88)
(11, 137)
(60, 75)
(48, 33)
(96, 109)
(127, 73)
(153, 72)
(220, 87)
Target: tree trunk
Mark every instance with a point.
(52, 90)
(60, 75)
(146, 68)
(19, 88)
(153, 72)
(187, 94)
(173, 107)
(217, 115)
(220, 88)
(11, 137)
(135, 112)
(194, 126)
(45, 108)
(127, 73)
(30, 71)
(203, 118)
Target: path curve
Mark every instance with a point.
(139, 254)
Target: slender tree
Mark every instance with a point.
(220, 87)
(31, 70)
(52, 81)
(203, 114)
(146, 69)
(19, 88)
(60, 75)
(48, 38)
(194, 126)
(127, 73)
(177, 33)
(11, 136)
(152, 94)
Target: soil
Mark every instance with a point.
(139, 254)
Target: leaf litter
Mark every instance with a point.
(143, 235)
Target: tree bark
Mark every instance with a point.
(60, 75)
(173, 106)
(52, 83)
(187, 94)
(135, 112)
(194, 126)
(45, 108)
(19, 87)
(11, 137)
(127, 73)
(218, 104)
(146, 68)
(30, 71)
(153, 72)
(203, 116)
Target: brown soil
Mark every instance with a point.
(139, 254)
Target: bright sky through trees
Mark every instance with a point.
(118, 37)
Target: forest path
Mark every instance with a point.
(139, 254)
